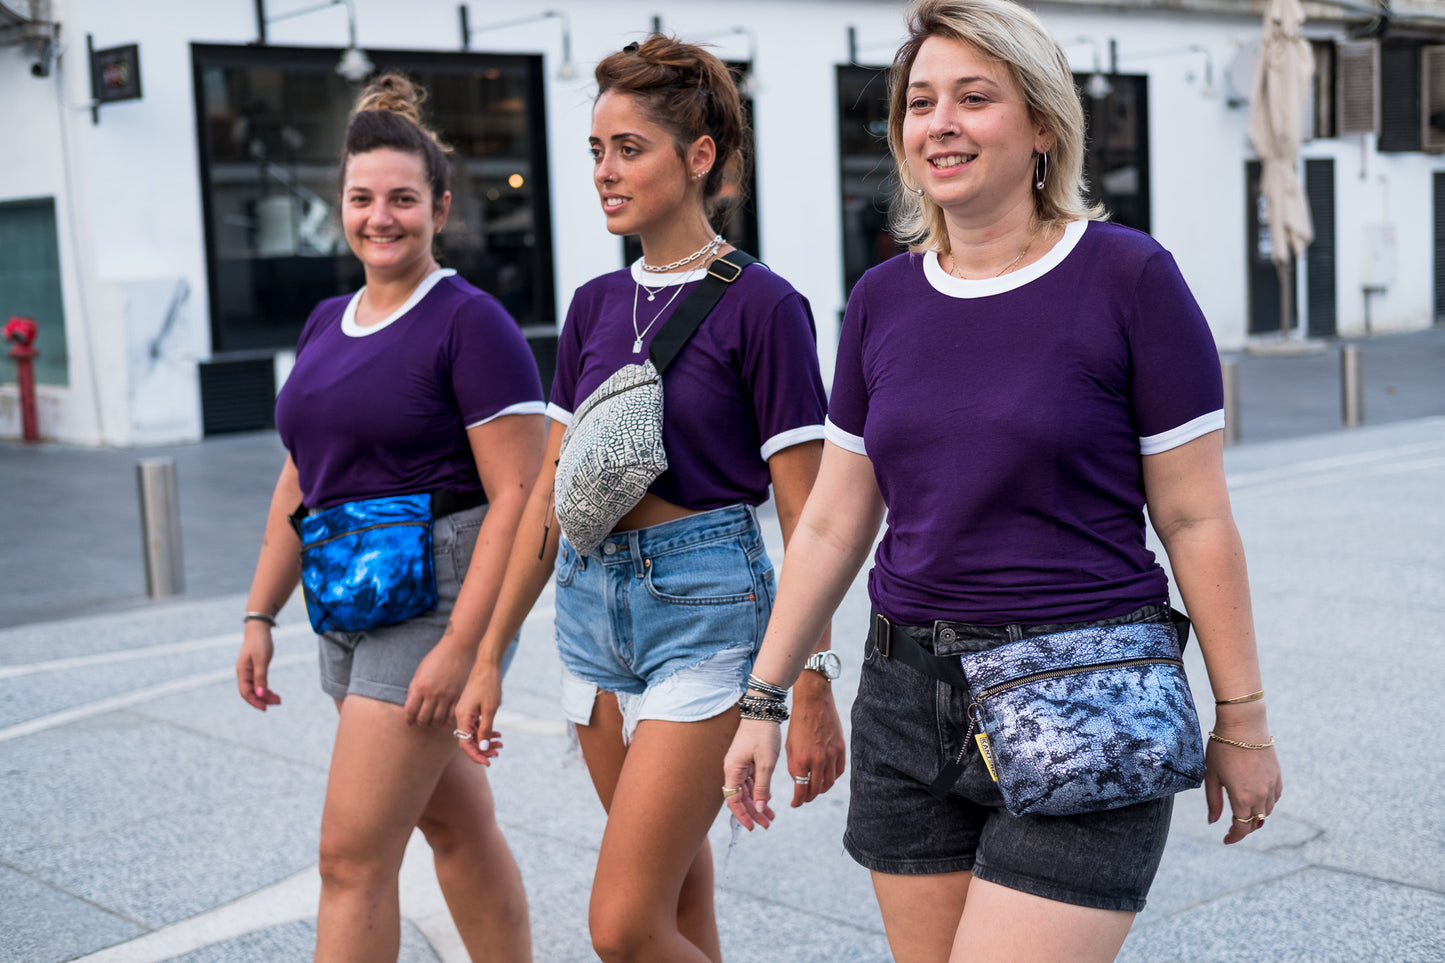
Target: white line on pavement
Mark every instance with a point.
(148, 652)
(1321, 466)
(1288, 483)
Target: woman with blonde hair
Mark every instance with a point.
(418, 387)
(658, 624)
(1014, 392)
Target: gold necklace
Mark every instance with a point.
(1007, 268)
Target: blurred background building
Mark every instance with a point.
(168, 170)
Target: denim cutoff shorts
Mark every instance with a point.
(907, 725)
(668, 617)
(378, 663)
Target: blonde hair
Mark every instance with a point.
(1013, 36)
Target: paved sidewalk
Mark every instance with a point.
(146, 814)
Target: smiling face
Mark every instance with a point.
(968, 135)
(389, 215)
(643, 183)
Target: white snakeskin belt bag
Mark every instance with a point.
(612, 451)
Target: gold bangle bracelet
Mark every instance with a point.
(1240, 700)
(1243, 745)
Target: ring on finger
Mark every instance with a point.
(730, 791)
(803, 780)
(462, 734)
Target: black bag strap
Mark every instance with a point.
(723, 271)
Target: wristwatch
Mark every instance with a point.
(827, 663)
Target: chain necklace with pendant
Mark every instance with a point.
(1007, 268)
(637, 343)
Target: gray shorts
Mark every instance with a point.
(379, 663)
(906, 725)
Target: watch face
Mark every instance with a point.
(827, 663)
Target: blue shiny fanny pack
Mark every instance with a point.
(1085, 720)
(367, 563)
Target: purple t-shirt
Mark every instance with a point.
(384, 409)
(1006, 419)
(744, 387)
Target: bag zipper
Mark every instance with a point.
(975, 705)
(613, 394)
(364, 528)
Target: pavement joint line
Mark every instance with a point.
(135, 697)
(148, 652)
(1290, 484)
(1336, 461)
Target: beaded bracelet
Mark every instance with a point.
(767, 688)
(1243, 745)
(763, 710)
(259, 617)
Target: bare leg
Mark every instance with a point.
(1004, 924)
(383, 776)
(921, 913)
(478, 876)
(654, 872)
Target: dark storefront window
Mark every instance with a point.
(1116, 160)
(865, 170)
(1116, 147)
(271, 123)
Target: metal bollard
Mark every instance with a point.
(160, 526)
(1229, 370)
(1352, 390)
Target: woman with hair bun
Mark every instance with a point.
(658, 625)
(418, 384)
(1013, 394)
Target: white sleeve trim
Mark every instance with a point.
(844, 440)
(520, 408)
(1174, 437)
(559, 414)
(789, 438)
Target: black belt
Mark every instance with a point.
(444, 502)
(893, 642)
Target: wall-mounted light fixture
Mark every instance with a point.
(565, 71)
(1098, 86)
(354, 65)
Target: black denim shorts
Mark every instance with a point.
(907, 725)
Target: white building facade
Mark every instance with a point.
(170, 245)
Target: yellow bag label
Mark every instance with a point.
(985, 749)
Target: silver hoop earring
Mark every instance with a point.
(1039, 183)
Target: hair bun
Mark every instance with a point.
(395, 93)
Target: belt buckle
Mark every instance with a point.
(882, 635)
(737, 271)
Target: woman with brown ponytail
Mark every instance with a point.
(418, 383)
(657, 626)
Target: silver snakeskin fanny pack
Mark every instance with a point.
(1085, 720)
(612, 451)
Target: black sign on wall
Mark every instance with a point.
(114, 75)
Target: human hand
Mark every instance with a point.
(748, 770)
(1249, 777)
(252, 665)
(436, 685)
(816, 752)
(475, 712)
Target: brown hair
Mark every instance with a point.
(1014, 36)
(690, 94)
(388, 115)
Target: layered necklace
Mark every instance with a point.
(637, 342)
(652, 293)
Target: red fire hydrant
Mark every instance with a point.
(20, 333)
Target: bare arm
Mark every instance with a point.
(1189, 508)
(507, 451)
(529, 565)
(828, 547)
(816, 751)
(278, 569)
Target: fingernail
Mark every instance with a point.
(484, 744)
(260, 692)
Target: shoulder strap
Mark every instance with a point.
(722, 272)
